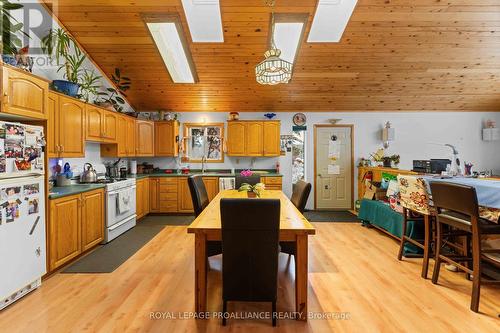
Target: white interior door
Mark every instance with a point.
(333, 168)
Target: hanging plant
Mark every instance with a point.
(10, 42)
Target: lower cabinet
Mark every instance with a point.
(76, 224)
(272, 183)
(142, 197)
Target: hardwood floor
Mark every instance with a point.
(353, 270)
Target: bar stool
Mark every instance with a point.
(457, 207)
(415, 199)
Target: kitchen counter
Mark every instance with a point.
(62, 191)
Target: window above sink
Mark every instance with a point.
(203, 140)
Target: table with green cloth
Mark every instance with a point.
(378, 213)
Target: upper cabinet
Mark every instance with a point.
(125, 143)
(145, 138)
(65, 126)
(101, 124)
(166, 138)
(24, 94)
(253, 138)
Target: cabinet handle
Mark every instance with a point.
(6, 98)
(62, 148)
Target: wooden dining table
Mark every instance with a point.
(293, 227)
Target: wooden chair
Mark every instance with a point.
(414, 198)
(299, 198)
(252, 180)
(250, 234)
(200, 201)
(457, 207)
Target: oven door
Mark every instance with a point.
(113, 215)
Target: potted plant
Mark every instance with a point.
(59, 44)
(252, 190)
(386, 161)
(89, 85)
(10, 42)
(111, 98)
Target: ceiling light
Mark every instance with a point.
(330, 20)
(204, 20)
(174, 51)
(273, 70)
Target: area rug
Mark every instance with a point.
(330, 216)
(109, 257)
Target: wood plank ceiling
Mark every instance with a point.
(394, 55)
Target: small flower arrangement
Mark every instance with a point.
(257, 188)
(246, 173)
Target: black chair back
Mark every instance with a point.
(301, 191)
(199, 194)
(252, 180)
(250, 234)
(455, 197)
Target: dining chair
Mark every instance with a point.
(457, 207)
(299, 198)
(250, 234)
(252, 180)
(415, 200)
(200, 200)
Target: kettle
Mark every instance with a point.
(88, 175)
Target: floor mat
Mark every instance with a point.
(109, 257)
(330, 216)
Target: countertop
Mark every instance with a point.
(62, 191)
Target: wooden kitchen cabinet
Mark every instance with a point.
(125, 144)
(52, 135)
(92, 219)
(145, 138)
(154, 195)
(71, 127)
(24, 94)
(142, 197)
(272, 183)
(271, 138)
(101, 124)
(253, 138)
(212, 186)
(185, 203)
(236, 138)
(64, 230)
(76, 224)
(130, 137)
(166, 138)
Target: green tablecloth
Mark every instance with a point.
(380, 214)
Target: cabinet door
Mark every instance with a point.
(122, 136)
(110, 123)
(139, 193)
(130, 137)
(236, 138)
(272, 138)
(94, 122)
(154, 195)
(254, 138)
(145, 138)
(185, 203)
(92, 225)
(24, 94)
(71, 127)
(64, 230)
(146, 199)
(53, 126)
(212, 186)
(166, 138)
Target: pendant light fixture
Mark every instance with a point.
(273, 70)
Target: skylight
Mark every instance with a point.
(204, 20)
(330, 20)
(288, 34)
(174, 51)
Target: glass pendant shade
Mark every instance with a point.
(273, 70)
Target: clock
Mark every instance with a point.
(299, 119)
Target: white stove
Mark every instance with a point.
(120, 207)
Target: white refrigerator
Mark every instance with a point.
(22, 210)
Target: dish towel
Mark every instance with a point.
(226, 184)
(123, 201)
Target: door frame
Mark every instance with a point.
(351, 126)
